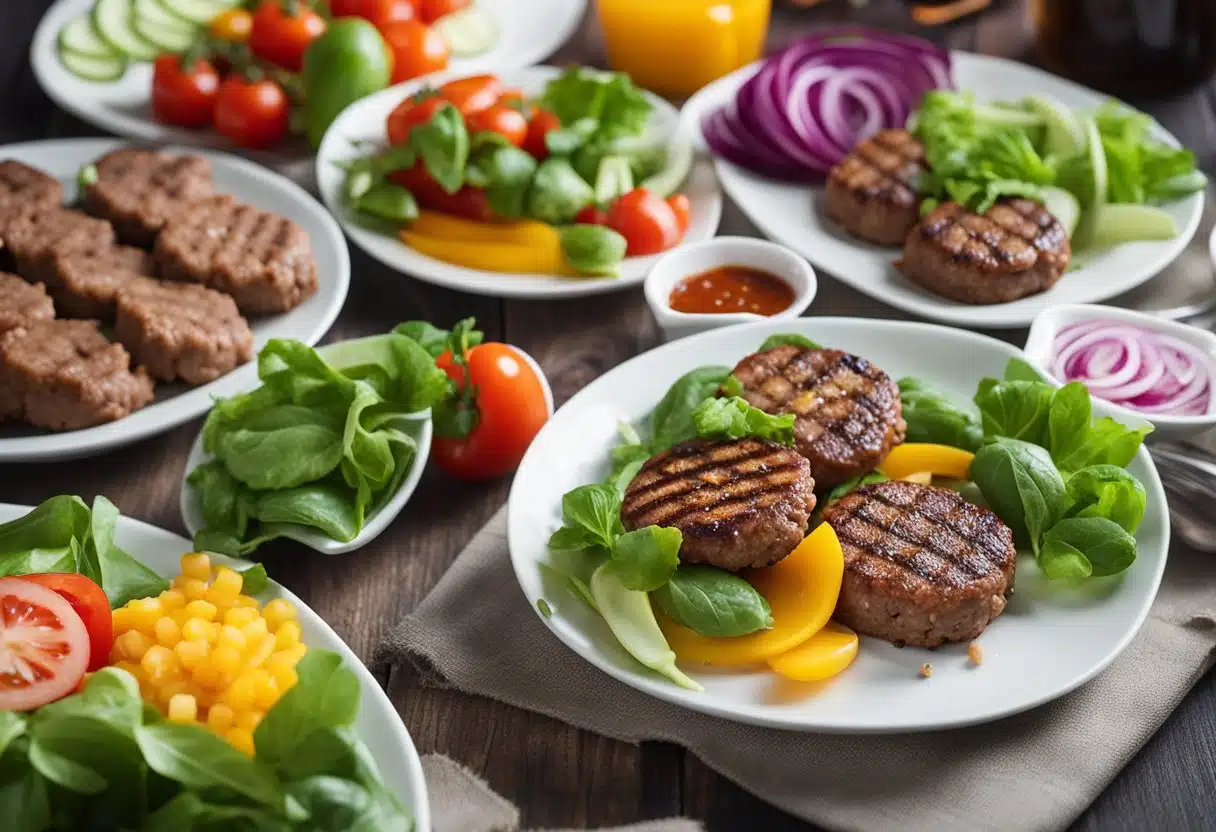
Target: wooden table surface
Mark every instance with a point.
(558, 775)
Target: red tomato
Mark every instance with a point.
(591, 215)
(410, 113)
(253, 114)
(45, 645)
(512, 98)
(470, 203)
(417, 49)
(91, 604)
(512, 407)
(683, 208)
(540, 125)
(281, 37)
(473, 94)
(647, 222)
(183, 95)
(379, 12)
(432, 10)
(505, 121)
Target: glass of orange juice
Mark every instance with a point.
(675, 47)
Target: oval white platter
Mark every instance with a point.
(176, 404)
(1050, 639)
(792, 214)
(378, 724)
(364, 121)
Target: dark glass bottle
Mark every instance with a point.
(1128, 47)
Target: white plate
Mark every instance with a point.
(378, 724)
(177, 403)
(793, 214)
(1048, 641)
(365, 121)
(530, 31)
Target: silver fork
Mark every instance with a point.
(1189, 475)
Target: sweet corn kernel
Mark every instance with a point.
(239, 695)
(194, 589)
(277, 612)
(209, 677)
(240, 616)
(232, 637)
(183, 708)
(180, 616)
(160, 663)
(173, 599)
(133, 645)
(220, 717)
(259, 652)
(265, 689)
(229, 582)
(255, 630)
(132, 668)
(288, 635)
(249, 720)
(123, 620)
(195, 629)
(246, 601)
(192, 653)
(284, 675)
(226, 658)
(292, 655)
(202, 609)
(240, 739)
(197, 565)
(144, 613)
(167, 631)
(165, 691)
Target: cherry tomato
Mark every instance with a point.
(540, 125)
(184, 96)
(512, 98)
(683, 208)
(251, 113)
(46, 646)
(473, 94)
(233, 25)
(505, 121)
(469, 202)
(591, 215)
(410, 113)
(379, 12)
(91, 604)
(281, 37)
(432, 10)
(512, 407)
(647, 222)
(417, 49)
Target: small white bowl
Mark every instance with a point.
(1039, 352)
(695, 258)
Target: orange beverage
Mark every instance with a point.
(675, 47)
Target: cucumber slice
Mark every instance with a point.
(679, 162)
(153, 13)
(80, 37)
(200, 12)
(1123, 223)
(166, 38)
(113, 20)
(1065, 137)
(1063, 206)
(1087, 227)
(91, 68)
(468, 32)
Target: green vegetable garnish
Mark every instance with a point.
(557, 193)
(713, 602)
(734, 418)
(592, 249)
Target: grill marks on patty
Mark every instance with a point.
(872, 191)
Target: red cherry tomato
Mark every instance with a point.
(45, 646)
(505, 121)
(432, 10)
(512, 98)
(470, 203)
(183, 95)
(281, 37)
(683, 208)
(542, 122)
(473, 94)
(647, 222)
(410, 113)
(91, 604)
(512, 406)
(417, 49)
(254, 114)
(591, 215)
(379, 12)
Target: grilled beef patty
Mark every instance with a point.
(738, 503)
(21, 303)
(872, 191)
(848, 411)
(1014, 249)
(922, 566)
(140, 190)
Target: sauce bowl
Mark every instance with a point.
(696, 258)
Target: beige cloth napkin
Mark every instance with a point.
(1035, 771)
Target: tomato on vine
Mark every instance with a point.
(282, 31)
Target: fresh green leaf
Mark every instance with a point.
(1107, 443)
(593, 514)
(12, 725)
(623, 476)
(227, 505)
(1021, 484)
(283, 447)
(671, 421)
(508, 174)
(434, 340)
(24, 799)
(443, 145)
(713, 602)
(1108, 491)
(320, 506)
(734, 418)
(611, 99)
(592, 249)
(386, 201)
(566, 140)
(1018, 369)
(189, 811)
(645, 559)
(557, 193)
(933, 417)
(337, 804)
(199, 759)
(545, 609)
(83, 754)
(122, 577)
(577, 585)
(1068, 420)
(50, 525)
(1015, 409)
(1085, 546)
(613, 178)
(790, 338)
(853, 484)
(325, 697)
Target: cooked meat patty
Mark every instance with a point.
(182, 330)
(922, 566)
(85, 282)
(738, 503)
(140, 190)
(64, 375)
(262, 260)
(848, 411)
(1013, 250)
(21, 303)
(20, 183)
(872, 191)
(37, 236)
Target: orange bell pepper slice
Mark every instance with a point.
(822, 656)
(917, 457)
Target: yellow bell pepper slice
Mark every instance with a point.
(822, 656)
(920, 478)
(915, 457)
(448, 227)
(801, 590)
(491, 257)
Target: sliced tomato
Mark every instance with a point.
(683, 208)
(469, 203)
(505, 121)
(93, 607)
(44, 646)
(472, 94)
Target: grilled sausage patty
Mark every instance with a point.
(1014, 249)
(872, 191)
(922, 566)
(738, 503)
(848, 411)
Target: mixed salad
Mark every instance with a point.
(190, 704)
(258, 70)
(567, 183)
(1028, 450)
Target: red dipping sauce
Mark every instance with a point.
(730, 290)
